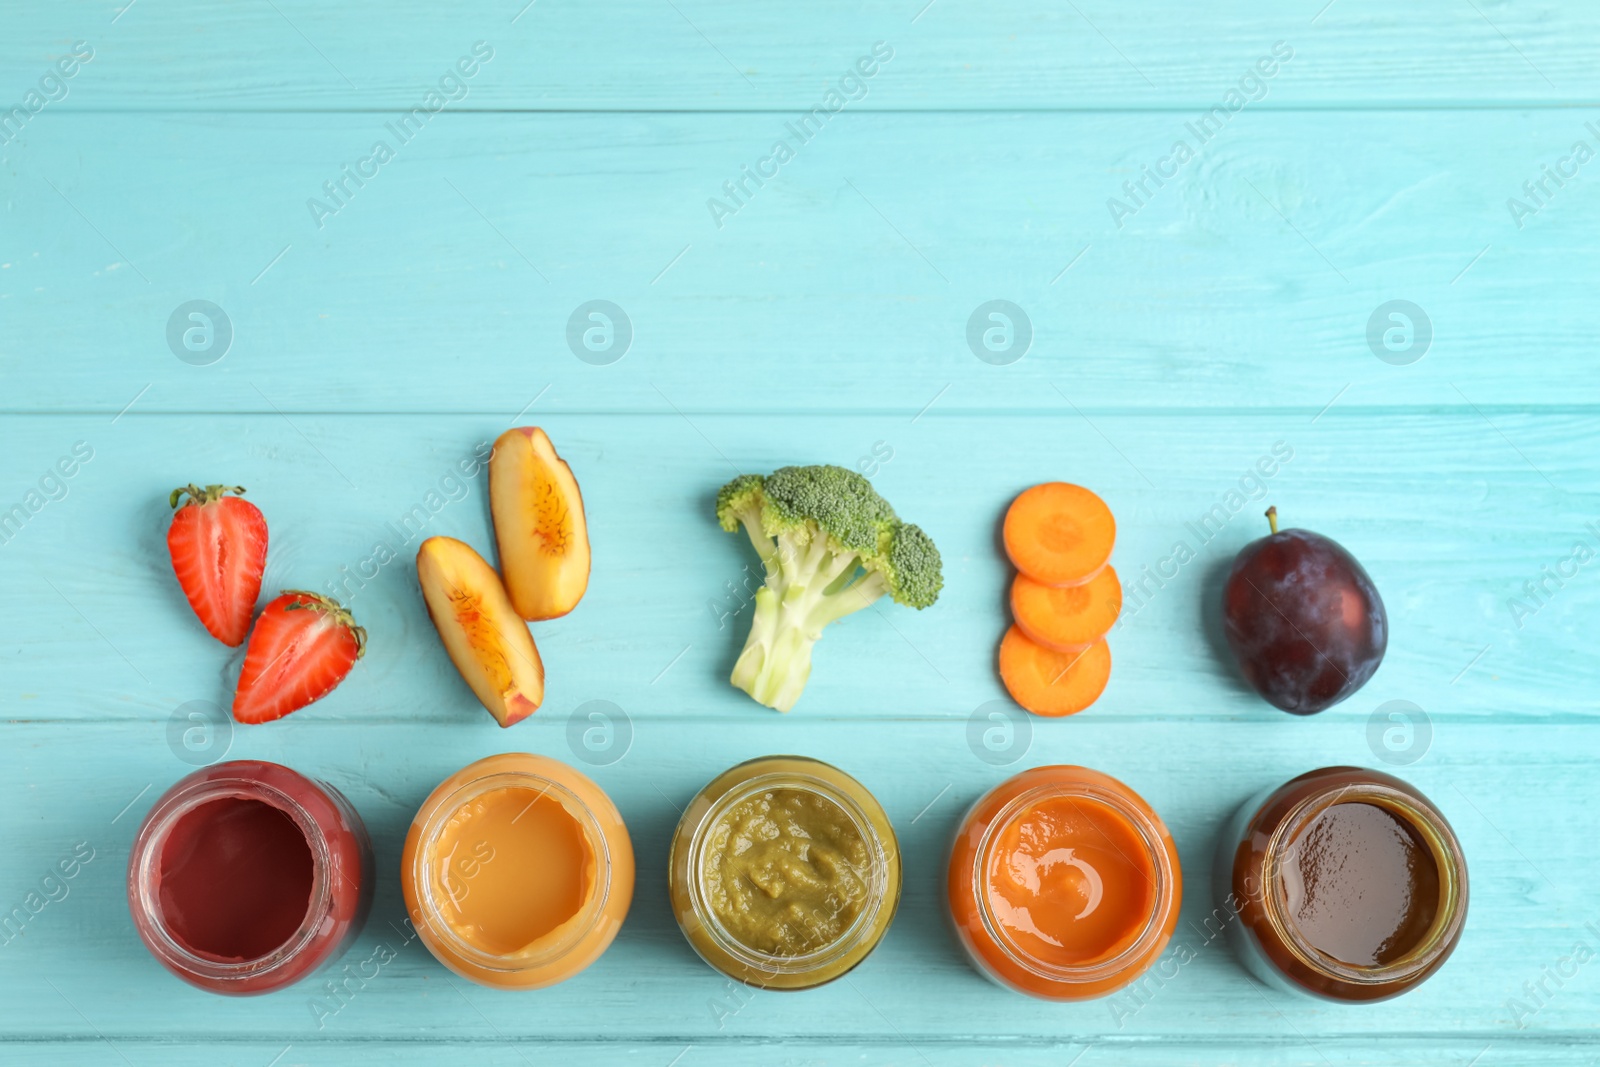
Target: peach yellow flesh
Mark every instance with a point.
(486, 638)
(539, 524)
(517, 871)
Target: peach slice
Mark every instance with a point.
(487, 640)
(538, 524)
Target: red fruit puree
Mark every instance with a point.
(235, 879)
(247, 877)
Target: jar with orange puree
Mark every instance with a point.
(1063, 884)
(517, 871)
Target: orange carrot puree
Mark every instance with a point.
(1069, 882)
(1063, 884)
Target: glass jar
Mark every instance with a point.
(517, 871)
(784, 872)
(246, 877)
(1063, 884)
(1348, 885)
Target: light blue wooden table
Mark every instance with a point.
(381, 333)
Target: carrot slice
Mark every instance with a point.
(1067, 618)
(1059, 534)
(1053, 683)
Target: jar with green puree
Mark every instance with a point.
(785, 872)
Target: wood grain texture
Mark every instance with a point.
(1434, 1052)
(450, 278)
(824, 320)
(697, 54)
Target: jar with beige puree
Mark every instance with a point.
(785, 872)
(517, 871)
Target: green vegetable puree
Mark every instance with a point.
(785, 871)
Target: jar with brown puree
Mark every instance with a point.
(785, 872)
(1347, 884)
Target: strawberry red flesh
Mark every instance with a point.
(218, 545)
(302, 646)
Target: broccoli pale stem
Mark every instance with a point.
(790, 611)
(765, 546)
(853, 597)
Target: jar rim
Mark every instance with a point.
(148, 850)
(864, 930)
(1151, 837)
(1444, 850)
(429, 903)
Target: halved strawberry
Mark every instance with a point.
(302, 646)
(218, 545)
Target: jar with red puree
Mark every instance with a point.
(1347, 884)
(1063, 884)
(247, 876)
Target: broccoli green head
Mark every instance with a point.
(740, 498)
(834, 500)
(831, 546)
(911, 565)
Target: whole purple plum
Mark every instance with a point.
(1303, 619)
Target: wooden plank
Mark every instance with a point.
(1532, 870)
(642, 55)
(1434, 1052)
(1449, 516)
(451, 280)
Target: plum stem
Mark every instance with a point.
(1272, 517)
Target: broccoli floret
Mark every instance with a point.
(831, 546)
